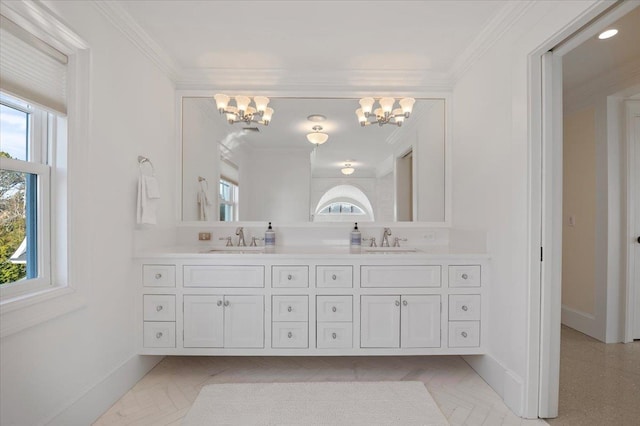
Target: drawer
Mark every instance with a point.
(290, 308)
(464, 276)
(290, 335)
(334, 308)
(159, 307)
(334, 276)
(335, 335)
(400, 276)
(223, 276)
(464, 307)
(159, 335)
(290, 276)
(464, 334)
(159, 275)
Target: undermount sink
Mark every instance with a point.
(235, 250)
(389, 250)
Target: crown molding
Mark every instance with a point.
(506, 17)
(128, 26)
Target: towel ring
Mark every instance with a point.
(201, 180)
(142, 160)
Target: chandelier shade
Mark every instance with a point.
(385, 113)
(244, 111)
(317, 137)
(347, 169)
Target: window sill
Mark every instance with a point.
(22, 312)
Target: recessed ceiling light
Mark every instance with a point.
(316, 117)
(608, 34)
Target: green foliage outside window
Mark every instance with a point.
(12, 223)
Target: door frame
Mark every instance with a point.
(631, 110)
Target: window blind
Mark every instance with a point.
(32, 69)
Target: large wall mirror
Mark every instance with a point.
(253, 172)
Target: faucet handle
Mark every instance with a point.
(253, 241)
(396, 241)
(373, 241)
(229, 243)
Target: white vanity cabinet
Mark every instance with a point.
(315, 304)
(403, 321)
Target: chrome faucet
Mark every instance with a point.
(385, 237)
(240, 234)
(228, 240)
(396, 241)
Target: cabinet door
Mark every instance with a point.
(243, 321)
(380, 322)
(203, 321)
(420, 321)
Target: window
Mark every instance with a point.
(341, 208)
(228, 200)
(24, 196)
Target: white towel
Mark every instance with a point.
(148, 195)
(203, 202)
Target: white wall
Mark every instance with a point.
(491, 190)
(47, 368)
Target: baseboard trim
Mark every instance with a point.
(581, 321)
(505, 382)
(98, 398)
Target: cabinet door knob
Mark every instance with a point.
(219, 303)
(226, 303)
(465, 308)
(158, 334)
(334, 309)
(289, 309)
(289, 335)
(289, 277)
(158, 276)
(334, 336)
(465, 276)
(404, 303)
(333, 277)
(159, 308)
(397, 303)
(464, 334)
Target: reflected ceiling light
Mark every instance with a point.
(243, 111)
(608, 34)
(317, 137)
(386, 113)
(347, 170)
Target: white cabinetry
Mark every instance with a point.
(408, 321)
(223, 321)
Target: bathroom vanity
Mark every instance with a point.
(310, 301)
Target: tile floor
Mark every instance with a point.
(599, 384)
(164, 396)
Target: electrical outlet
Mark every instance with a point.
(204, 236)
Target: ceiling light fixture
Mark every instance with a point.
(243, 111)
(385, 114)
(347, 170)
(608, 34)
(317, 137)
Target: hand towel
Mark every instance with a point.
(203, 202)
(148, 195)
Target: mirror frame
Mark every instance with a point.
(446, 96)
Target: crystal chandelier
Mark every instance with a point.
(385, 113)
(244, 111)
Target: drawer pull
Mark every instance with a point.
(334, 336)
(159, 308)
(289, 335)
(333, 277)
(465, 276)
(289, 309)
(465, 308)
(289, 277)
(334, 309)
(159, 335)
(158, 276)
(404, 303)
(397, 303)
(227, 303)
(464, 334)
(219, 303)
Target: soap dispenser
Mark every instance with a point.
(356, 236)
(269, 237)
